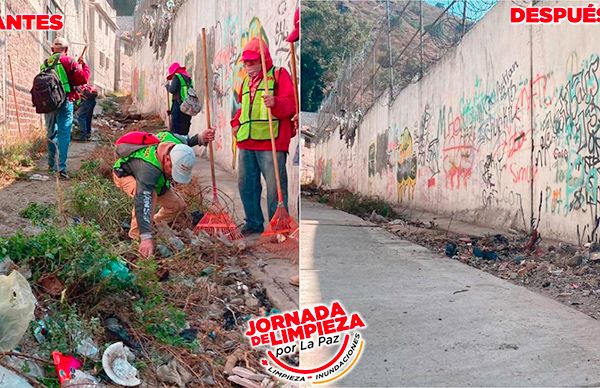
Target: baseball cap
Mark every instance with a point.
(183, 159)
(60, 43)
(250, 55)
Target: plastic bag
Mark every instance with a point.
(17, 304)
(9, 379)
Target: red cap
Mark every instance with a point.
(249, 55)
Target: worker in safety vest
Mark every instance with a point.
(85, 110)
(180, 81)
(145, 172)
(251, 130)
(72, 73)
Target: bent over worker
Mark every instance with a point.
(145, 173)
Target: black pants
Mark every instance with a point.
(180, 122)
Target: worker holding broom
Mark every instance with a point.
(147, 165)
(251, 129)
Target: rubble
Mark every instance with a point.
(173, 373)
(182, 311)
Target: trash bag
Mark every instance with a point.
(10, 379)
(17, 304)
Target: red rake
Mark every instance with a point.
(282, 222)
(216, 222)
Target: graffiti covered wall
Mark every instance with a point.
(504, 134)
(229, 25)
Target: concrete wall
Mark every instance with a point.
(25, 50)
(229, 25)
(28, 49)
(502, 131)
(103, 33)
(124, 63)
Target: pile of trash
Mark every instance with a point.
(203, 281)
(78, 307)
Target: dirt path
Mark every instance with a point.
(18, 194)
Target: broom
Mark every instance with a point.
(216, 222)
(282, 222)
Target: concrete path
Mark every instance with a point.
(270, 269)
(433, 321)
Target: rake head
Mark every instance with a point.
(281, 223)
(218, 223)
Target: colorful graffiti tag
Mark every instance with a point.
(407, 167)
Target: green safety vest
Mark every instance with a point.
(148, 154)
(254, 119)
(183, 90)
(168, 137)
(60, 70)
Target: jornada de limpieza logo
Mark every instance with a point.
(305, 330)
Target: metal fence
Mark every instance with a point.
(411, 36)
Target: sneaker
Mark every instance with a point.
(63, 175)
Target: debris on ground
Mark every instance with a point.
(17, 305)
(173, 373)
(11, 379)
(116, 362)
(563, 271)
(182, 314)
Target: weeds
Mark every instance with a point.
(16, 157)
(67, 329)
(74, 254)
(109, 107)
(163, 321)
(352, 203)
(40, 214)
(96, 199)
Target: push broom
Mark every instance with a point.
(281, 223)
(216, 222)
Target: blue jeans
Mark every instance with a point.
(58, 126)
(84, 117)
(252, 165)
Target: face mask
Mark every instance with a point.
(253, 70)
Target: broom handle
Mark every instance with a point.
(12, 81)
(207, 101)
(275, 162)
(295, 77)
(83, 52)
(168, 115)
